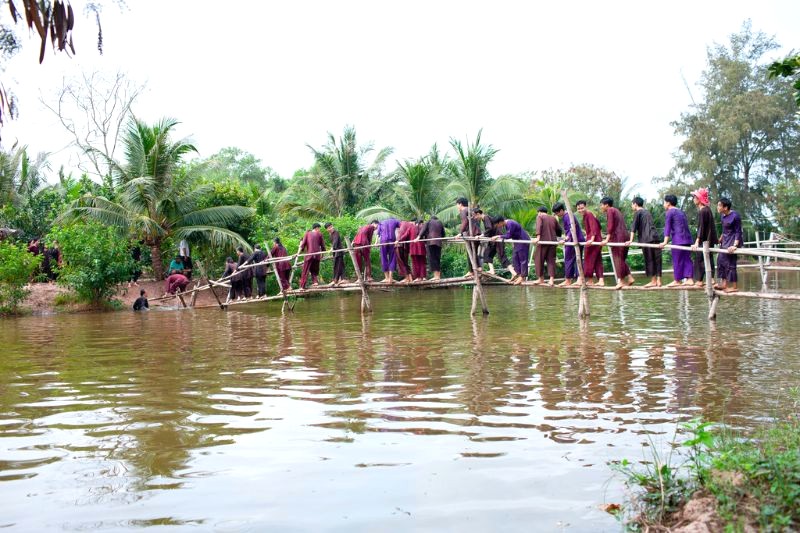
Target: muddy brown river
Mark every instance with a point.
(417, 417)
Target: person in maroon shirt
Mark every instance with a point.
(312, 243)
(283, 267)
(592, 259)
(402, 248)
(416, 250)
(364, 238)
(175, 282)
(616, 231)
(547, 229)
(338, 254)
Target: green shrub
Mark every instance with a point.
(95, 260)
(16, 268)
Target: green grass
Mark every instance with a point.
(755, 478)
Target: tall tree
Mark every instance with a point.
(742, 138)
(341, 181)
(471, 179)
(418, 191)
(234, 163)
(153, 205)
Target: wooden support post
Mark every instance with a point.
(476, 275)
(761, 265)
(294, 266)
(179, 293)
(204, 275)
(366, 305)
(712, 296)
(195, 292)
(583, 305)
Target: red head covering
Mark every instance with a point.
(701, 195)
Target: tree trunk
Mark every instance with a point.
(158, 266)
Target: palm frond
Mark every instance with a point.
(224, 215)
(217, 237)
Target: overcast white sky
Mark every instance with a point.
(550, 83)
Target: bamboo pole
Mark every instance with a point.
(179, 293)
(476, 274)
(761, 264)
(583, 305)
(712, 297)
(366, 305)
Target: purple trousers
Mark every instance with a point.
(571, 262)
(520, 259)
(388, 259)
(726, 267)
(682, 264)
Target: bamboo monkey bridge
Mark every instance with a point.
(480, 279)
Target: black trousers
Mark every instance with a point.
(699, 266)
(338, 267)
(495, 249)
(652, 261)
(434, 258)
(261, 283)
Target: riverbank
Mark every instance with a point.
(728, 482)
(51, 298)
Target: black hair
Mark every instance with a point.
(559, 206)
(141, 292)
(607, 200)
(581, 202)
(463, 201)
(315, 225)
(257, 246)
(229, 259)
(328, 225)
(277, 240)
(477, 211)
(726, 202)
(240, 249)
(638, 201)
(375, 221)
(179, 257)
(542, 209)
(418, 220)
(498, 219)
(671, 199)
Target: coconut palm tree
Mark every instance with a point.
(151, 203)
(471, 179)
(418, 191)
(341, 180)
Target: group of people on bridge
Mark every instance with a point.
(413, 248)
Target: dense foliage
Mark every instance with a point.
(17, 267)
(96, 258)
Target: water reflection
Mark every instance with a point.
(187, 410)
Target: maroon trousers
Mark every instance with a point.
(284, 277)
(418, 266)
(310, 266)
(403, 266)
(620, 257)
(545, 253)
(363, 260)
(593, 262)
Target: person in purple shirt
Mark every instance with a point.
(570, 257)
(519, 257)
(387, 233)
(731, 239)
(676, 229)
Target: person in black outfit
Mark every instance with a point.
(230, 270)
(492, 249)
(338, 256)
(260, 272)
(141, 302)
(433, 229)
(706, 232)
(245, 276)
(136, 255)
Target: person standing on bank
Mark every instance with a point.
(547, 229)
(314, 245)
(260, 271)
(732, 238)
(338, 254)
(645, 229)
(706, 232)
(570, 252)
(433, 233)
(617, 232)
(676, 228)
(593, 257)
